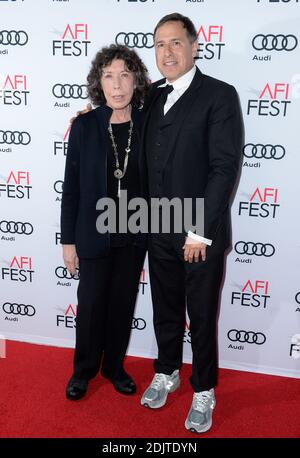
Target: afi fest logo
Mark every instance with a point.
(68, 318)
(277, 1)
(14, 90)
(263, 203)
(252, 294)
(60, 148)
(73, 42)
(295, 346)
(272, 101)
(210, 42)
(20, 269)
(17, 186)
(57, 238)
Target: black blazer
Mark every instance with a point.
(204, 150)
(85, 181)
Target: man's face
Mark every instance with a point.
(174, 52)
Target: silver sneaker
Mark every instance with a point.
(199, 418)
(157, 392)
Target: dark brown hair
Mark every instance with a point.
(132, 62)
(186, 22)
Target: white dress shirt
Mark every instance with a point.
(180, 86)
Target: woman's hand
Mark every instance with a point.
(70, 258)
(85, 110)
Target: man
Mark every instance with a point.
(192, 148)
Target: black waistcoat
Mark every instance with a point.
(158, 134)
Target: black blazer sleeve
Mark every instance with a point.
(71, 187)
(225, 132)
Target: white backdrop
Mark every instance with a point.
(251, 44)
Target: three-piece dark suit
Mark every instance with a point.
(192, 152)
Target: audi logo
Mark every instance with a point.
(250, 337)
(138, 323)
(13, 37)
(297, 298)
(274, 42)
(69, 91)
(12, 227)
(135, 40)
(255, 249)
(58, 186)
(260, 151)
(14, 137)
(18, 309)
(62, 272)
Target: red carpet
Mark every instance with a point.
(33, 403)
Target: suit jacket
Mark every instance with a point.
(204, 150)
(85, 181)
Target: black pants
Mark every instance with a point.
(107, 293)
(175, 286)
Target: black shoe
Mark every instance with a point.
(76, 389)
(124, 384)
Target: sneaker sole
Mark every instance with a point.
(162, 403)
(192, 429)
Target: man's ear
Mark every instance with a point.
(195, 48)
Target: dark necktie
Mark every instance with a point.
(165, 92)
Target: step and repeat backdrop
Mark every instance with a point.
(46, 48)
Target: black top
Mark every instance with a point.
(130, 181)
(85, 181)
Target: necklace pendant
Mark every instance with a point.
(118, 173)
(127, 150)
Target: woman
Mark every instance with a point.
(102, 161)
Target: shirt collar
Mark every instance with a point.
(183, 82)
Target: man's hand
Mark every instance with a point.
(193, 249)
(70, 258)
(85, 110)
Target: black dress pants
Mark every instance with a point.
(177, 285)
(107, 294)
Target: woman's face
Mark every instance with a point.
(117, 83)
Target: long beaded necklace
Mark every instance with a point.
(118, 173)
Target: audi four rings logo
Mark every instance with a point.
(138, 323)
(135, 40)
(69, 91)
(260, 151)
(256, 249)
(18, 309)
(14, 137)
(274, 42)
(13, 37)
(13, 227)
(246, 337)
(62, 272)
(297, 298)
